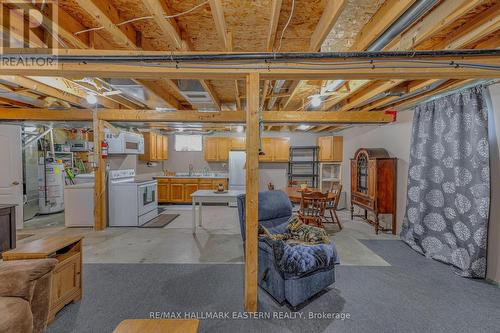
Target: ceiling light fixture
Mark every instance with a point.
(91, 99)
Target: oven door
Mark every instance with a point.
(147, 195)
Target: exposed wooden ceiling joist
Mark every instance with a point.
(108, 16)
(220, 21)
(273, 24)
(441, 16)
(326, 22)
(170, 29)
(386, 15)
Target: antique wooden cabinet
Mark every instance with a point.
(373, 185)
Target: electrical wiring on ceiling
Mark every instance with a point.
(286, 25)
(143, 18)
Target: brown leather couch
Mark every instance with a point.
(25, 294)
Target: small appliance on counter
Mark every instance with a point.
(131, 202)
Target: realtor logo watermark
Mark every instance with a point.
(29, 33)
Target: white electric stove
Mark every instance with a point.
(131, 202)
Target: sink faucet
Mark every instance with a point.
(190, 169)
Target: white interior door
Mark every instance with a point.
(11, 169)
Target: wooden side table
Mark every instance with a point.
(67, 275)
(158, 326)
(7, 227)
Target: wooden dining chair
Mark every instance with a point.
(332, 203)
(312, 207)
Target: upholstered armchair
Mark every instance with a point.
(275, 210)
(25, 287)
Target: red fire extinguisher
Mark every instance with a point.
(104, 149)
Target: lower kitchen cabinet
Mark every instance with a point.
(179, 190)
(177, 193)
(188, 190)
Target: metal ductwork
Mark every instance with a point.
(416, 11)
(277, 88)
(412, 14)
(196, 95)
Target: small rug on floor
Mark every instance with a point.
(160, 221)
(23, 236)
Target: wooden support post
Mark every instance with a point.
(252, 191)
(100, 214)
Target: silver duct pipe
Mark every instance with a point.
(416, 11)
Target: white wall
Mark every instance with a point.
(395, 138)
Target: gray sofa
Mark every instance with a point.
(275, 209)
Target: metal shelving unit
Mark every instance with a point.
(303, 165)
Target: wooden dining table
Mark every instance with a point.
(295, 193)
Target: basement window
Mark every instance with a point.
(188, 142)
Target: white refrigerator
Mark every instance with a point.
(237, 175)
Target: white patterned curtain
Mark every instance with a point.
(449, 182)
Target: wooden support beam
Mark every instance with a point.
(273, 24)
(273, 118)
(252, 192)
(390, 70)
(385, 16)
(220, 21)
(326, 22)
(100, 214)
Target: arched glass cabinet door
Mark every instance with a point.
(362, 169)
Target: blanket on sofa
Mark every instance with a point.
(302, 249)
(298, 259)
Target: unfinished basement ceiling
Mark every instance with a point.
(247, 24)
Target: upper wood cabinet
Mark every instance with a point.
(216, 149)
(238, 143)
(155, 147)
(275, 150)
(281, 149)
(331, 148)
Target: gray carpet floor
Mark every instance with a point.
(414, 294)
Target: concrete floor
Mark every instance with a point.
(218, 241)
